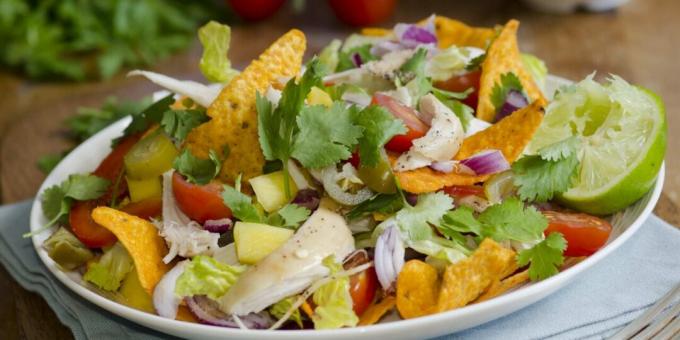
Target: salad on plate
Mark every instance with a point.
(400, 173)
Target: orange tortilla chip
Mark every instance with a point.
(375, 31)
(453, 32)
(184, 314)
(510, 135)
(500, 287)
(503, 57)
(234, 116)
(140, 238)
(377, 310)
(417, 289)
(464, 281)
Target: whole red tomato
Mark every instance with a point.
(254, 10)
(362, 12)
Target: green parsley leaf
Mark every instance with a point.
(345, 61)
(178, 123)
(290, 216)
(509, 81)
(545, 257)
(241, 205)
(381, 203)
(151, 115)
(540, 177)
(326, 135)
(379, 126)
(197, 170)
(510, 220)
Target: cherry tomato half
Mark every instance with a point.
(459, 191)
(416, 127)
(363, 285)
(362, 12)
(461, 83)
(585, 234)
(199, 202)
(254, 10)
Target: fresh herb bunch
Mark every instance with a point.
(80, 39)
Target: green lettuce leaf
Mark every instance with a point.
(206, 276)
(111, 269)
(215, 64)
(329, 58)
(536, 67)
(279, 309)
(333, 301)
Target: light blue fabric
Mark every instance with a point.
(598, 303)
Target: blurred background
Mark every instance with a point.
(68, 58)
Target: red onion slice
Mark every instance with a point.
(487, 162)
(308, 198)
(514, 101)
(218, 226)
(207, 312)
(412, 35)
(165, 301)
(356, 59)
(389, 256)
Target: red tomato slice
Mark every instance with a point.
(86, 229)
(199, 202)
(461, 83)
(458, 191)
(148, 208)
(585, 234)
(363, 285)
(254, 10)
(112, 165)
(362, 12)
(416, 127)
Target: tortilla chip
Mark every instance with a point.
(453, 32)
(234, 116)
(140, 238)
(499, 287)
(503, 57)
(464, 281)
(510, 135)
(417, 289)
(375, 31)
(184, 314)
(377, 310)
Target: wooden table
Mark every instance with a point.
(640, 42)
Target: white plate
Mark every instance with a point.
(87, 156)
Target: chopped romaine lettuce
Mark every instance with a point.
(329, 58)
(450, 62)
(279, 309)
(215, 64)
(333, 301)
(536, 67)
(206, 276)
(111, 269)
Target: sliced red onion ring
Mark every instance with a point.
(412, 199)
(308, 198)
(446, 167)
(487, 162)
(389, 256)
(412, 35)
(514, 101)
(218, 226)
(207, 312)
(164, 299)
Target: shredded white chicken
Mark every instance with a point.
(389, 63)
(440, 143)
(183, 236)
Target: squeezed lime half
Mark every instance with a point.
(622, 129)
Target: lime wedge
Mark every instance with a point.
(623, 133)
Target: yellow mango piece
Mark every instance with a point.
(270, 191)
(254, 241)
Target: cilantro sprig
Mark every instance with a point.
(545, 257)
(197, 170)
(178, 123)
(242, 207)
(509, 81)
(540, 177)
(57, 200)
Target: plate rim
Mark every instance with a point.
(538, 289)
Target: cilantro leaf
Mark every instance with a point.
(540, 177)
(545, 257)
(382, 203)
(178, 123)
(84, 187)
(290, 216)
(379, 126)
(415, 221)
(509, 81)
(52, 202)
(325, 136)
(560, 150)
(143, 120)
(510, 220)
(460, 220)
(476, 62)
(241, 205)
(197, 170)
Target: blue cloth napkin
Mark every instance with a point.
(596, 305)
